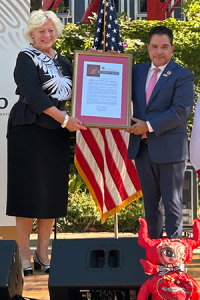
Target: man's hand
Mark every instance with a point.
(139, 127)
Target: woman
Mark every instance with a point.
(38, 138)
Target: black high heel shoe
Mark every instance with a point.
(38, 264)
(28, 271)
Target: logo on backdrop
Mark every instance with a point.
(3, 103)
(14, 16)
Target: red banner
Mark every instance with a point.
(156, 10)
(50, 4)
(93, 6)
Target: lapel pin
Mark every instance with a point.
(168, 73)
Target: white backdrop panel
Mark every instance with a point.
(14, 15)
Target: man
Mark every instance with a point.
(158, 140)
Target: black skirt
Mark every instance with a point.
(38, 172)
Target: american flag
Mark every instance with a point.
(101, 154)
(113, 40)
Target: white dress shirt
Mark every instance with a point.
(150, 73)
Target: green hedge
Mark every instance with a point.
(83, 216)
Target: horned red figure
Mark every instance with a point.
(166, 259)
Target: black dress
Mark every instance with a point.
(38, 148)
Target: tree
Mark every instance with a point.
(36, 4)
(65, 3)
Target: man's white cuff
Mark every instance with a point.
(149, 126)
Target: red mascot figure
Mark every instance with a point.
(166, 259)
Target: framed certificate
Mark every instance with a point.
(101, 93)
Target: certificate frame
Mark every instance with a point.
(84, 63)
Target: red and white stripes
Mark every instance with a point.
(101, 159)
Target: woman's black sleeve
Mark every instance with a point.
(29, 85)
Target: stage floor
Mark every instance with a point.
(36, 286)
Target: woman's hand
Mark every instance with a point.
(74, 124)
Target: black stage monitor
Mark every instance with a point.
(11, 279)
(103, 268)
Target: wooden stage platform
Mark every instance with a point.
(36, 286)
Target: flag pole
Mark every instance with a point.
(104, 50)
(116, 225)
(104, 28)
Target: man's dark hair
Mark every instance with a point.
(160, 30)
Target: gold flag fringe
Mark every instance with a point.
(113, 211)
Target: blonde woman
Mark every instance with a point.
(38, 138)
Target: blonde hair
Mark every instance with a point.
(37, 19)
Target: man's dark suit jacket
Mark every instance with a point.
(167, 111)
